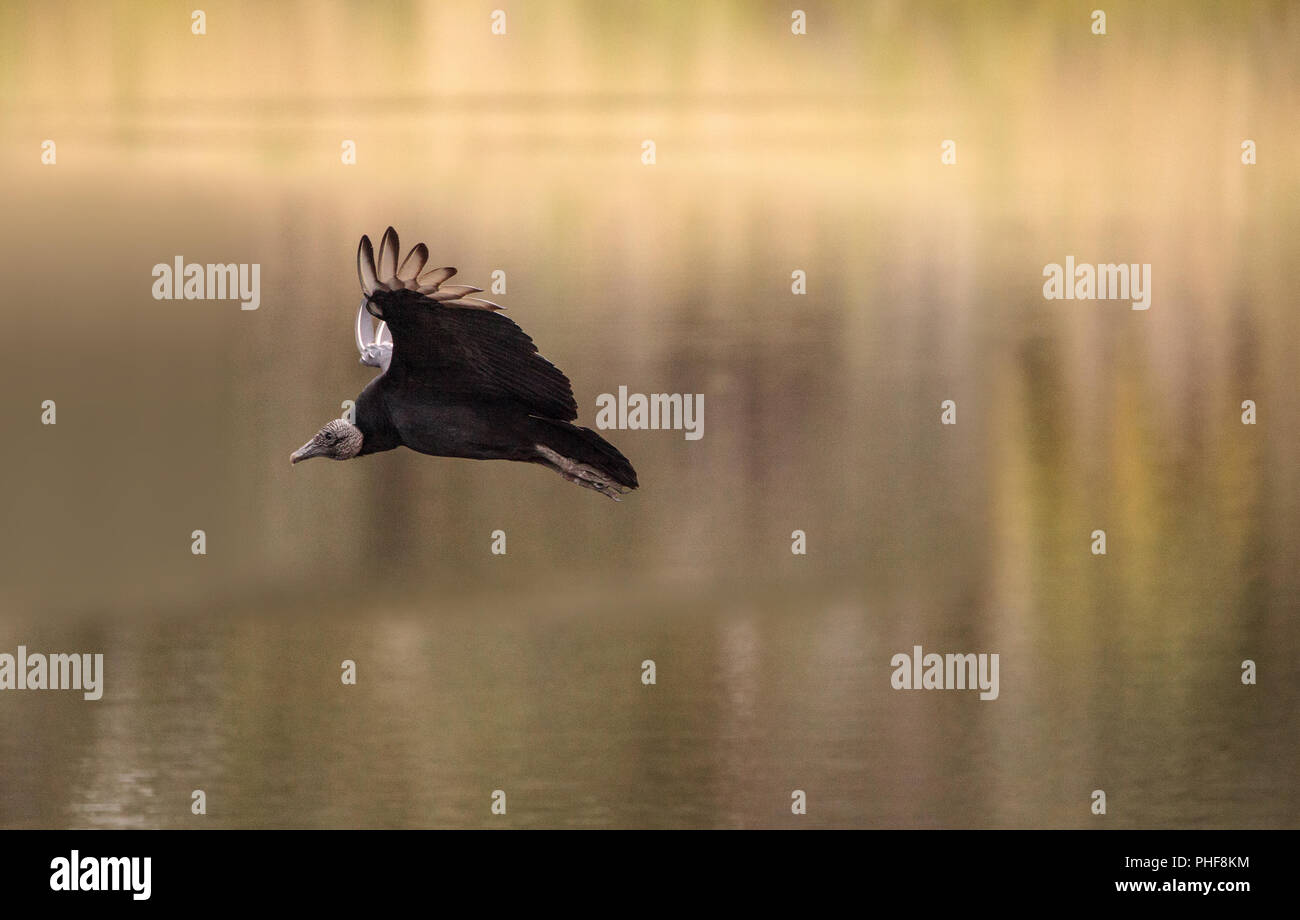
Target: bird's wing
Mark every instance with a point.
(374, 343)
(458, 344)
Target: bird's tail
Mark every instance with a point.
(584, 457)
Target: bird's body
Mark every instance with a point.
(392, 415)
(460, 380)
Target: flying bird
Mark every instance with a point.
(458, 379)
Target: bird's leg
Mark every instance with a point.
(586, 476)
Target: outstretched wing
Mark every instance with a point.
(454, 343)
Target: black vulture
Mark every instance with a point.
(459, 380)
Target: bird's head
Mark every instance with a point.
(339, 440)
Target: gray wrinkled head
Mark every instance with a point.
(339, 440)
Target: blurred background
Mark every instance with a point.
(775, 152)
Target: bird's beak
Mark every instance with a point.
(306, 452)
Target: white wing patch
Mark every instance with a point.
(374, 343)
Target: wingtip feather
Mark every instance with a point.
(366, 273)
(472, 303)
(413, 264)
(388, 248)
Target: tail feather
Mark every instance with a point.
(576, 447)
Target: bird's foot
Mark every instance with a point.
(586, 476)
(603, 486)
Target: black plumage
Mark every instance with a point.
(463, 381)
